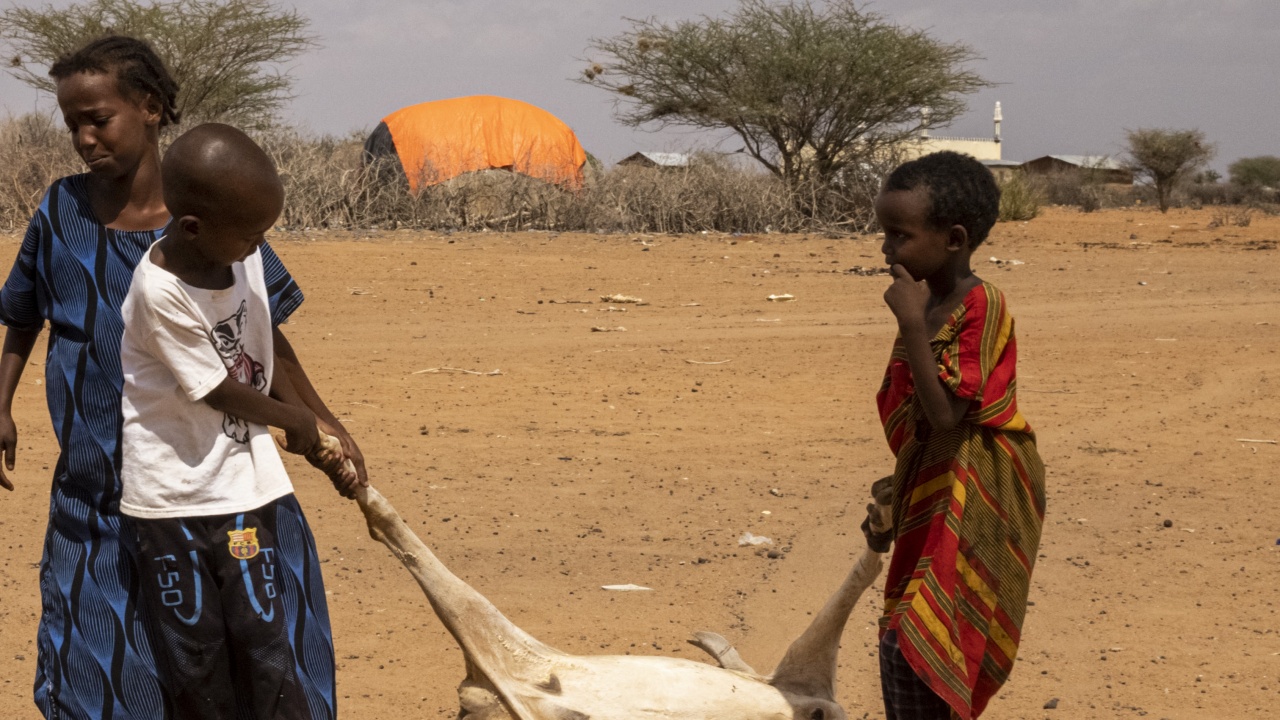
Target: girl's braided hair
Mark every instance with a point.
(138, 69)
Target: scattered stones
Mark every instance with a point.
(1168, 523)
(1052, 704)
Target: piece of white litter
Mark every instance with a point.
(1248, 440)
(784, 297)
(751, 539)
(629, 587)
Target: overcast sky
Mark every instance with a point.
(1073, 74)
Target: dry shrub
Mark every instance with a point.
(707, 195)
(1083, 189)
(1231, 216)
(1229, 194)
(1072, 188)
(1020, 197)
(34, 151)
(328, 185)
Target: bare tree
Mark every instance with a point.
(1166, 157)
(226, 55)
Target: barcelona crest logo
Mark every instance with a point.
(243, 544)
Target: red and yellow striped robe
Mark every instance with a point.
(968, 506)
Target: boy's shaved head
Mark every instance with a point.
(212, 169)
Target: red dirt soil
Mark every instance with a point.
(1148, 350)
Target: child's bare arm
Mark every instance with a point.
(943, 409)
(17, 350)
(909, 301)
(242, 401)
(287, 363)
(344, 480)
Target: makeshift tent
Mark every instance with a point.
(440, 140)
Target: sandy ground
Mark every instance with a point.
(1149, 348)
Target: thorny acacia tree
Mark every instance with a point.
(1166, 157)
(810, 90)
(224, 54)
(1256, 172)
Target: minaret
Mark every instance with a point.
(998, 119)
(925, 112)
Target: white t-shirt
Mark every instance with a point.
(182, 458)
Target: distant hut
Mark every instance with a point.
(1002, 169)
(1105, 168)
(658, 160)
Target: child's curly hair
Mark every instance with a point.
(962, 191)
(137, 67)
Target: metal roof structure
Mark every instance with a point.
(659, 159)
(1099, 162)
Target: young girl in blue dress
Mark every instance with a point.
(73, 272)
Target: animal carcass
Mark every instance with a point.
(513, 676)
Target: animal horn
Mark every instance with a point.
(809, 667)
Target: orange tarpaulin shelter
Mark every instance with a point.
(440, 140)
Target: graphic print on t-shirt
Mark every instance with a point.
(228, 337)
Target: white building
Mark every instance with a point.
(985, 149)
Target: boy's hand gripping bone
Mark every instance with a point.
(329, 459)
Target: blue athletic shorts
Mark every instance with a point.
(241, 627)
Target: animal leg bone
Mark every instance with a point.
(513, 676)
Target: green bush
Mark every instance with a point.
(1256, 172)
(1020, 198)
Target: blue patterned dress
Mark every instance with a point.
(94, 654)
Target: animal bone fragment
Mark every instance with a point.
(622, 299)
(454, 370)
(510, 675)
(601, 328)
(784, 297)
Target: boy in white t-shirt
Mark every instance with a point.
(220, 534)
